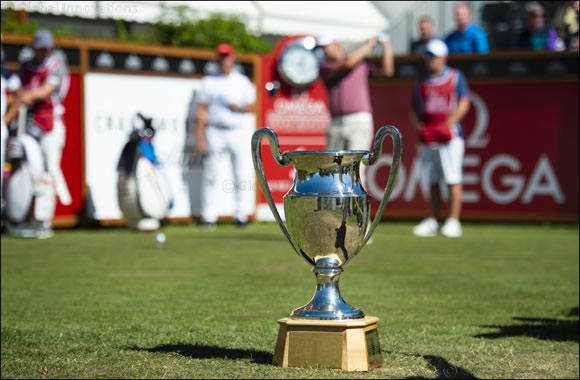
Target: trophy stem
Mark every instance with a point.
(327, 303)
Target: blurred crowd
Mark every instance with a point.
(539, 33)
(441, 99)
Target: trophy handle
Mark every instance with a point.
(371, 158)
(259, 168)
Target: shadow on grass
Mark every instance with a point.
(560, 330)
(444, 369)
(199, 351)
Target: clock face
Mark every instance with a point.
(298, 66)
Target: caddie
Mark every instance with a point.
(441, 99)
(45, 82)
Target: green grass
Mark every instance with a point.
(501, 302)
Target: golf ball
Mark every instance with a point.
(161, 237)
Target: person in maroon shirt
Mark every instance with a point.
(346, 79)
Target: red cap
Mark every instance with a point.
(224, 49)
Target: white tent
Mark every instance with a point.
(348, 20)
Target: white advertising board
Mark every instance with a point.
(112, 102)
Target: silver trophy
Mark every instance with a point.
(327, 212)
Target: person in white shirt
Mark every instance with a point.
(10, 83)
(224, 99)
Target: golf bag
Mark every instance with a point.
(28, 189)
(143, 190)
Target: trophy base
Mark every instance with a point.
(350, 345)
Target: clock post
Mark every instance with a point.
(296, 109)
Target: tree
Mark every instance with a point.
(180, 26)
(176, 25)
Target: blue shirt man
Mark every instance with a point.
(468, 38)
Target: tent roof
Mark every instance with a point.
(349, 20)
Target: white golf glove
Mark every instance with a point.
(383, 37)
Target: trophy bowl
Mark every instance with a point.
(327, 213)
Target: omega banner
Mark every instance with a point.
(521, 159)
(70, 162)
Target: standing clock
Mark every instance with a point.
(298, 64)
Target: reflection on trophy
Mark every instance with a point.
(328, 213)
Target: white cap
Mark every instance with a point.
(326, 39)
(437, 47)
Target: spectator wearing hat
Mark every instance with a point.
(468, 38)
(223, 102)
(440, 101)
(45, 82)
(346, 79)
(538, 35)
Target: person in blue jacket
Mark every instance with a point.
(468, 38)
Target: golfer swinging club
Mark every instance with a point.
(45, 81)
